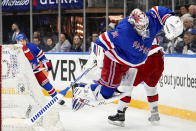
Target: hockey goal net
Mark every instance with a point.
(21, 94)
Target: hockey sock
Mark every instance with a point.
(49, 88)
(43, 81)
(152, 96)
(153, 101)
(123, 103)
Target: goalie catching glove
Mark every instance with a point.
(173, 27)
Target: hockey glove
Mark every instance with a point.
(47, 65)
(173, 27)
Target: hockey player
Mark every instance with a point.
(34, 55)
(128, 46)
(149, 73)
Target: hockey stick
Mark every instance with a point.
(112, 99)
(56, 98)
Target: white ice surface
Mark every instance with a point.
(95, 119)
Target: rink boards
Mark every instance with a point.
(176, 87)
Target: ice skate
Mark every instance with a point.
(154, 118)
(118, 119)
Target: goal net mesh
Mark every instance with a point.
(19, 89)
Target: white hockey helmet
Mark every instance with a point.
(140, 21)
(173, 27)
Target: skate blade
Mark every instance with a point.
(117, 123)
(155, 123)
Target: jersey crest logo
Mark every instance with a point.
(146, 50)
(141, 48)
(115, 34)
(137, 45)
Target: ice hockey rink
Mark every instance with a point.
(95, 119)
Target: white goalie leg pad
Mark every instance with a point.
(128, 79)
(95, 57)
(97, 54)
(127, 86)
(100, 56)
(91, 61)
(87, 93)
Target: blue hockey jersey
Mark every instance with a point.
(125, 46)
(38, 55)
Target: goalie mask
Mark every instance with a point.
(140, 22)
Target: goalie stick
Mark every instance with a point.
(55, 99)
(112, 99)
